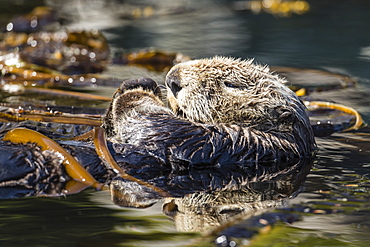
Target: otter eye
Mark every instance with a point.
(229, 84)
(232, 85)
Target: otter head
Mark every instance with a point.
(227, 90)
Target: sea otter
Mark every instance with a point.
(231, 122)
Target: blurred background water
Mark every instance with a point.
(331, 35)
(328, 35)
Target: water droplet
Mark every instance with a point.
(77, 51)
(84, 51)
(73, 59)
(263, 222)
(221, 239)
(33, 43)
(9, 27)
(70, 79)
(82, 78)
(342, 199)
(34, 22)
(92, 55)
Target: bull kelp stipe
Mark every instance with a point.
(72, 166)
(103, 152)
(359, 122)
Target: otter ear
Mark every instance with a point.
(170, 209)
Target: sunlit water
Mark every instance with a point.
(333, 36)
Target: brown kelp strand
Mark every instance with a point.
(19, 115)
(101, 147)
(73, 168)
(14, 108)
(314, 105)
(150, 59)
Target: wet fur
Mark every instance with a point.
(231, 122)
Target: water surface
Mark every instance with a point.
(332, 36)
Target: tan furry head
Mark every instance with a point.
(228, 90)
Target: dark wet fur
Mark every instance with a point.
(27, 171)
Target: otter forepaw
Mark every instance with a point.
(141, 95)
(147, 84)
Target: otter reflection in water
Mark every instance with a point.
(232, 123)
(206, 211)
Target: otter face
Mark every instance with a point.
(227, 90)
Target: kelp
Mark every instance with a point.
(150, 59)
(20, 115)
(69, 52)
(281, 8)
(72, 166)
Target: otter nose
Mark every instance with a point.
(174, 86)
(173, 82)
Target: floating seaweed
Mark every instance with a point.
(69, 52)
(281, 8)
(150, 59)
